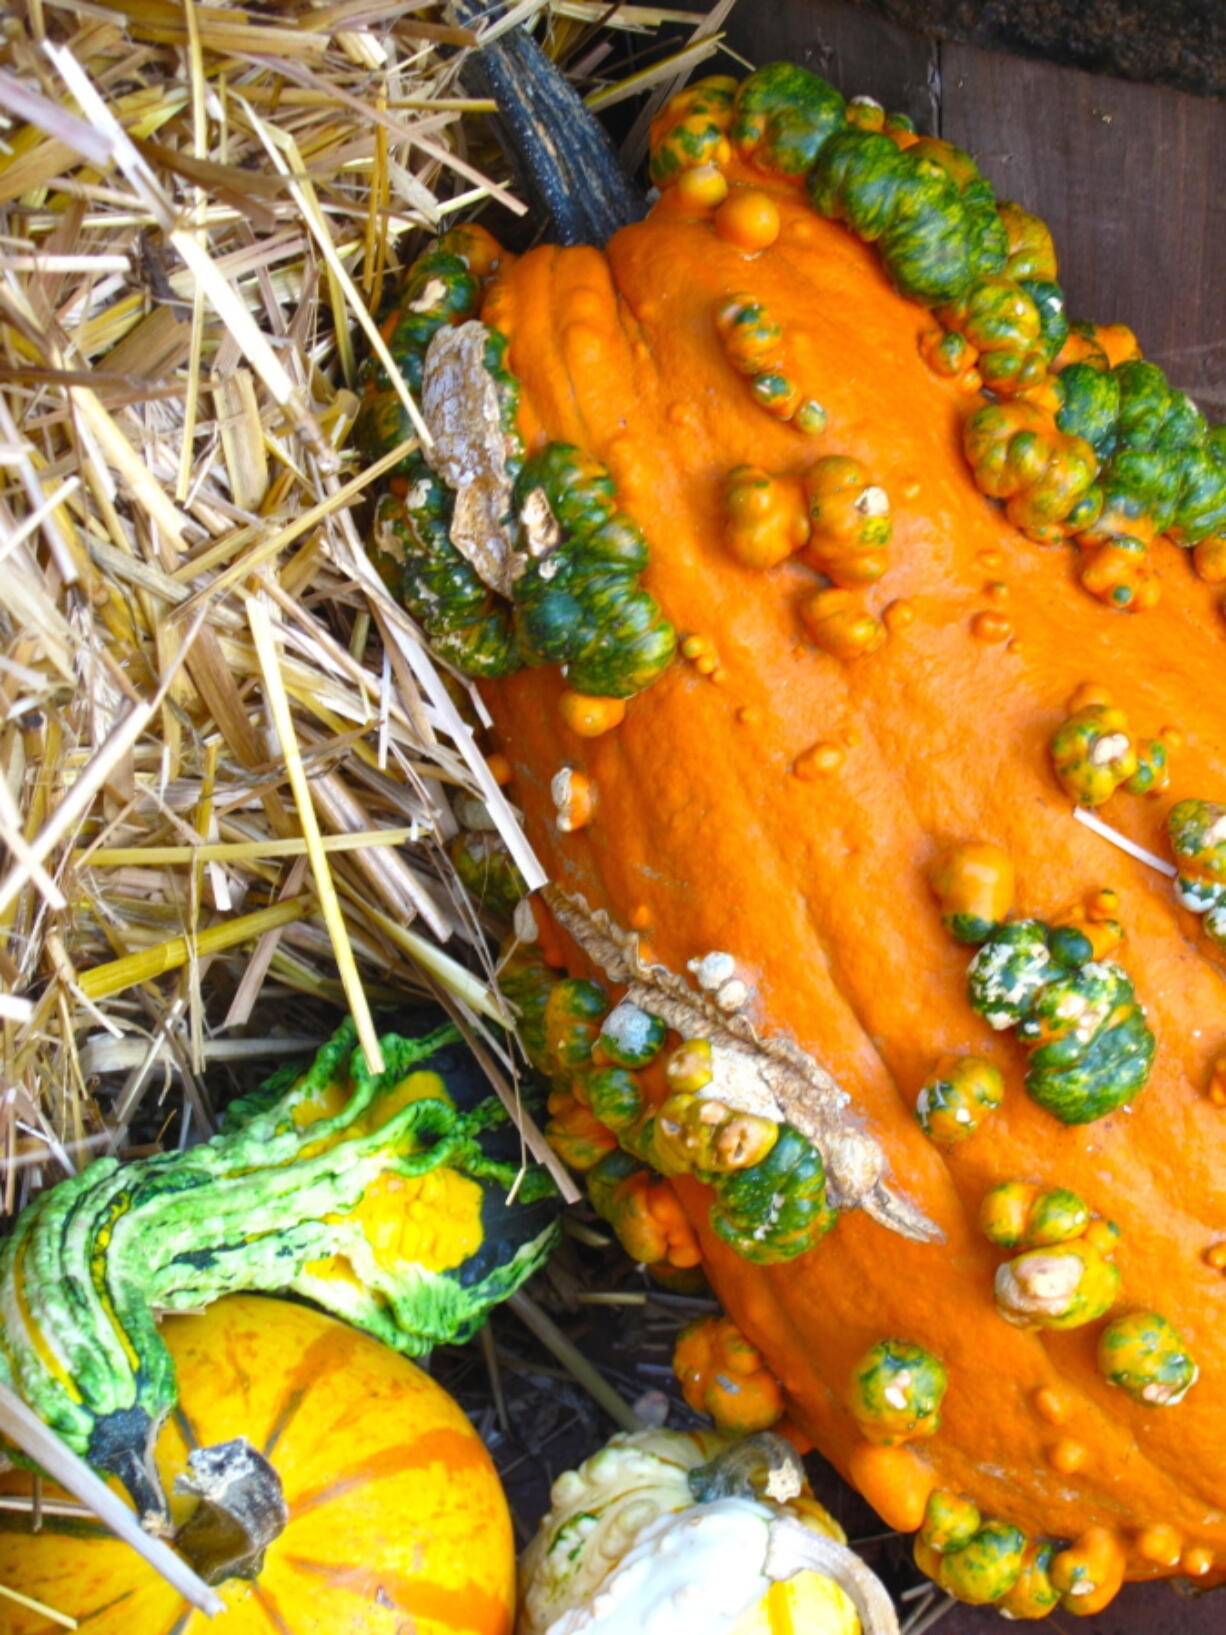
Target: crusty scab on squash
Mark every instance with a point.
(887, 677)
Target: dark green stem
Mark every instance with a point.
(564, 159)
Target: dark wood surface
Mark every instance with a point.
(1170, 42)
(1129, 177)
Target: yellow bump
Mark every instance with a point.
(719, 674)
(640, 917)
(702, 188)
(819, 761)
(899, 615)
(1160, 1544)
(1197, 1561)
(748, 218)
(1051, 1405)
(1089, 692)
(693, 647)
(996, 590)
(584, 345)
(706, 664)
(991, 560)
(749, 715)
(851, 737)
(1215, 1256)
(590, 716)
(679, 414)
(991, 627)
(500, 769)
(1172, 737)
(647, 311)
(801, 231)
(1068, 1456)
(909, 489)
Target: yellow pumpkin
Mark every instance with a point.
(397, 1520)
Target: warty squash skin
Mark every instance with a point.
(396, 1516)
(778, 798)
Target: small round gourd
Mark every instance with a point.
(398, 1517)
(660, 1521)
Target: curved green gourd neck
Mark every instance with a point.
(565, 161)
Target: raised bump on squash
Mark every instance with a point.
(840, 624)
(974, 883)
(896, 1392)
(1160, 1543)
(1088, 1574)
(765, 520)
(1093, 753)
(894, 1480)
(1068, 1455)
(588, 716)
(850, 523)
(1143, 1353)
(749, 219)
(991, 627)
(958, 1096)
(722, 1374)
(574, 799)
(821, 760)
(1064, 1285)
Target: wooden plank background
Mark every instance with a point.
(1128, 176)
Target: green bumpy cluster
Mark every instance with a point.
(975, 1560)
(782, 117)
(288, 1197)
(770, 1209)
(411, 539)
(935, 224)
(1162, 467)
(578, 604)
(896, 1392)
(487, 870)
(1144, 1354)
(691, 131)
(1197, 830)
(575, 602)
(1116, 455)
(463, 621)
(1091, 1048)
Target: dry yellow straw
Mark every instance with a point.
(40, 1607)
(118, 974)
(334, 919)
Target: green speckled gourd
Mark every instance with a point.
(1091, 1048)
(578, 605)
(375, 1196)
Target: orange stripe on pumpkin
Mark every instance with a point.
(332, 1350)
(454, 1449)
(469, 1607)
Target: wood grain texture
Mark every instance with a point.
(1179, 42)
(858, 52)
(1128, 178)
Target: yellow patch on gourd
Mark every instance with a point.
(431, 1220)
(807, 1602)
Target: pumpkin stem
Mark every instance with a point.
(564, 159)
(242, 1510)
(762, 1466)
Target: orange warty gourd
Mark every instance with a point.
(854, 781)
(396, 1516)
